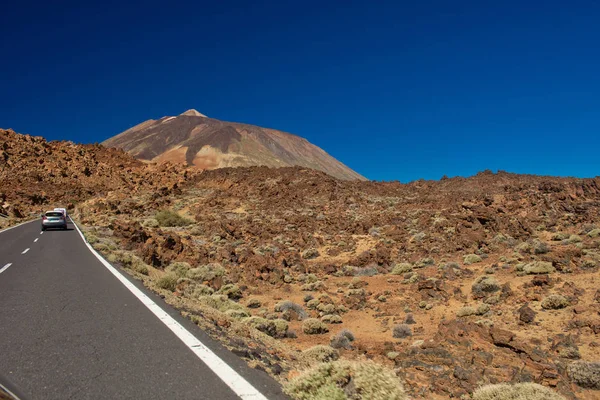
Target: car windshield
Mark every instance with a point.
(54, 214)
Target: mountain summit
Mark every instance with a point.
(194, 139)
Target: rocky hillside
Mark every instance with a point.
(194, 139)
(448, 284)
(452, 284)
(37, 174)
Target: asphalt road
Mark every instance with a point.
(69, 329)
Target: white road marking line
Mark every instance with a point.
(228, 375)
(42, 232)
(36, 239)
(25, 251)
(5, 267)
(22, 223)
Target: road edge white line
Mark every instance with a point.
(5, 267)
(17, 225)
(228, 375)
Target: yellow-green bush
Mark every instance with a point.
(555, 302)
(401, 268)
(343, 379)
(471, 259)
(171, 218)
(585, 374)
(517, 391)
(312, 326)
(539, 267)
(168, 281)
(321, 353)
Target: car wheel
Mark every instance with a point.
(43, 228)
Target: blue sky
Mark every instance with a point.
(395, 90)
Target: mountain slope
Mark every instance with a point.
(194, 139)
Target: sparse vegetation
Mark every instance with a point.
(517, 391)
(402, 268)
(401, 331)
(484, 286)
(277, 328)
(321, 353)
(539, 267)
(168, 281)
(169, 218)
(471, 259)
(312, 326)
(585, 374)
(342, 340)
(555, 302)
(342, 379)
(468, 311)
(289, 307)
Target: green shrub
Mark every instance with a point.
(539, 267)
(321, 353)
(594, 233)
(517, 391)
(151, 223)
(555, 302)
(313, 286)
(574, 239)
(468, 311)
(585, 374)
(484, 286)
(309, 254)
(425, 262)
(232, 291)
(277, 328)
(171, 218)
(471, 259)
(168, 281)
(331, 319)
(560, 236)
(179, 268)
(220, 302)
(237, 314)
(206, 273)
(402, 268)
(343, 379)
(312, 326)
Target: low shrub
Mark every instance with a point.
(471, 259)
(168, 218)
(309, 254)
(560, 236)
(312, 326)
(276, 328)
(313, 286)
(484, 286)
(179, 268)
(401, 268)
(220, 302)
(206, 273)
(540, 247)
(168, 281)
(585, 374)
(517, 391)
(289, 307)
(232, 291)
(342, 340)
(401, 331)
(343, 379)
(539, 267)
(331, 319)
(594, 233)
(555, 302)
(425, 262)
(468, 311)
(321, 353)
(237, 314)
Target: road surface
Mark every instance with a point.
(69, 329)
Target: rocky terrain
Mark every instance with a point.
(192, 138)
(449, 285)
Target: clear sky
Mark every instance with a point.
(396, 90)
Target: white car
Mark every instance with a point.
(63, 211)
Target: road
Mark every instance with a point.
(70, 329)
